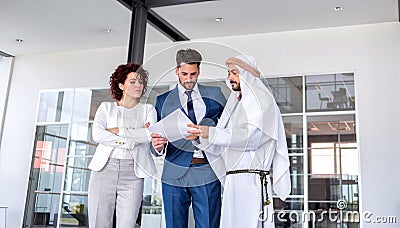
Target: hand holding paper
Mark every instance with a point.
(173, 127)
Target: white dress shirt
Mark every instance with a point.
(132, 141)
(129, 119)
(198, 105)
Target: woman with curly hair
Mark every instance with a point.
(122, 158)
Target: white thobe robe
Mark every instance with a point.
(240, 141)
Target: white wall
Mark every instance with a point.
(372, 51)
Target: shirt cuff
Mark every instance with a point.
(148, 134)
(211, 134)
(162, 152)
(121, 132)
(203, 143)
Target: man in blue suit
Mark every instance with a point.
(187, 176)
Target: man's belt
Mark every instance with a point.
(199, 161)
(264, 182)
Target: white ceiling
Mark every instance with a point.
(56, 26)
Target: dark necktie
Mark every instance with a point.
(190, 109)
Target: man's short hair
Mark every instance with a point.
(188, 56)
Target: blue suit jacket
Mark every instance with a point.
(179, 153)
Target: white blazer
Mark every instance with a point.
(134, 139)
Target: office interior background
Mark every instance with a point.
(334, 73)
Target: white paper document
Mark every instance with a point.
(173, 127)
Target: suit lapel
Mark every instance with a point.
(171, 103)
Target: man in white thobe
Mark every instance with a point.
(249, 138)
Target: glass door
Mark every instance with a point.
(46, 176)
(333, 171)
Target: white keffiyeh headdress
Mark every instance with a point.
(263, 113)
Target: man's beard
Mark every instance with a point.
(189, 85)
(235, 88)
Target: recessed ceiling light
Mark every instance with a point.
(108, 31)
(19, 40)
(219, 19)
(338, 8)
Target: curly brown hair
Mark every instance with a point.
(120, 74)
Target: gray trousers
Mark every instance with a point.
(115, 187)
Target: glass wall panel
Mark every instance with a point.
(82, 100)
(333, 166)
(152, 203)
(288, 213)
(288, 93)
(294, 138)
(74, 211)
(297, 174)
(46, 175)
(81, 141)
(330, 92)
(77, 174)
(87, 101)
(55, 106)
(294, 133)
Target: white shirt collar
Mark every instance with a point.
(182, 90)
